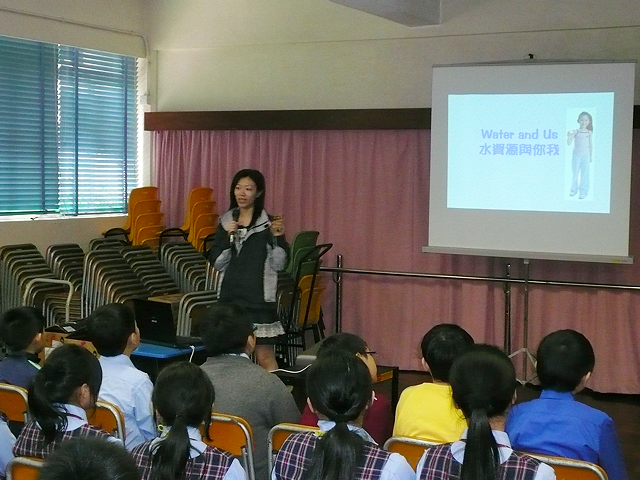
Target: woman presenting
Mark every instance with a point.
(250, 248)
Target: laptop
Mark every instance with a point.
(156, 325)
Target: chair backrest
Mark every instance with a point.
(139, 195)
(278, 435)
(234, 435)
(145, 206)
(410, 448)
(24, 468)
(196, 195)
(570, 469)
(199, 222)
(146, 220)
(311, 301)
(13, 402)
(201, 236)
(207, 206)
(108, 417)
(303, 239)
(146, 233)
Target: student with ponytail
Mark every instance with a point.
(378, 419)
(183, 397)
(61, 394)
(483, 383)
(339, 390)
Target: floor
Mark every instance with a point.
(623, 409)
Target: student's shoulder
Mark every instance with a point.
(591, 413)
(128, 374)
(421, 389)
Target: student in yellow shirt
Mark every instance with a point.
(427, 411)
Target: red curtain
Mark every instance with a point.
(367, 193)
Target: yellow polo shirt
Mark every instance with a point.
(426, 411)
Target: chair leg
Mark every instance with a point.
(317, 333)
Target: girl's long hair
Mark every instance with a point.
(183, 396)
(339, 387)
(67, 368)
(483, 382)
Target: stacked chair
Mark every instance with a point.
(193, 275)
(300, 292)
(69, 285)
(145, 220)
(148, 268)
(201, 217)
(108, 278)
(137, 195)
(27, 279)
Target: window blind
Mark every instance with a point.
(68, 129)
(28, 127)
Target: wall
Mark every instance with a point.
(306, 54)
(113, 26)
(45, 231)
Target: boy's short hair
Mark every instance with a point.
(19, 326)
(89, 457)
(226, 329)
(109, 328)
(564, 358)
(441, 346)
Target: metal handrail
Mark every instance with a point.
(443, 276)
(339, 270)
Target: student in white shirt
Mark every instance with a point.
(113, 331)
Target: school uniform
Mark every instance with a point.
(19, 368)
(204, 463)
(295, 456)
(30, 442)
(130, 389)
(557, 424)
(445, 462)
(377, 421)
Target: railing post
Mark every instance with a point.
(338, 280)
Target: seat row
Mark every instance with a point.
(68, 284)
(232, 434)
(226, 432)
(413, 449)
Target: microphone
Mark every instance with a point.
(235, 214)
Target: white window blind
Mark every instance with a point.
(67, 129)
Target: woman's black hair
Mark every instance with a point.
(483, 382)
(258, 179)
(183, 396)
(339, 387)
(67, 368)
